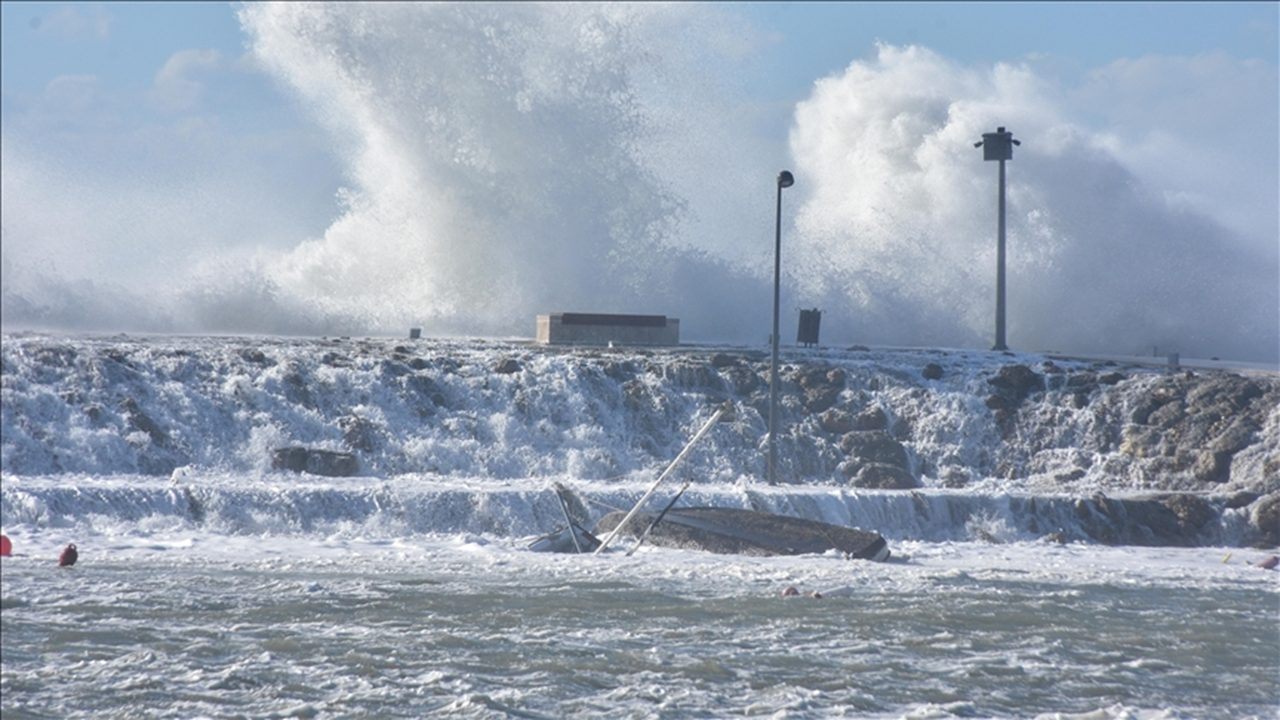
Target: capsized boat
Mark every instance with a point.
(746, 532)
(712, 529)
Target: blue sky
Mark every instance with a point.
(126, 44)
(153, 141)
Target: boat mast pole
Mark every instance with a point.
(705, 429)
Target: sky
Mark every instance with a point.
(201, 167)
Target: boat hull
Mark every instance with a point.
(732, 531)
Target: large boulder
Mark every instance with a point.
(881, 476)
(315, 461)
(821, 387)
(1016, 382)
(1266, 516)
(875, 446)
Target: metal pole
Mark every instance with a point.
(1000, 269)
(705, 428)
(770, 472)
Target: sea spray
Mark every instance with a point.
(502, 161)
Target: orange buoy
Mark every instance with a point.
(68, 556)
(6, 547)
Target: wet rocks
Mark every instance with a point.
(874, 446)
(740, 380)
(139, 420)
(1017, 382)
(836, 421)
(315, 461)
(821, 387)
(876, 460)
(1197, 425)
(932, 371)
(883, 476)
(1266, 517)
(506, 366)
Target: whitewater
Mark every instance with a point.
(212, 584)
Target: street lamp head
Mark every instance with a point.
(997, 145)
(785, 179)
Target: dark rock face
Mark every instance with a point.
(871, 419)
(1192, 511)
(1132, 522)
(932, 371)
(1266, 516)
(740, 379)
(821, 387)
(139, 420)
(1017, 382)
(316, 462)
(836, 421)
(1196, 424)
(507, 366)
(882, 476)
(875, 446)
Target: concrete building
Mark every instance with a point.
(602, 329)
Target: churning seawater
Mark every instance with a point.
(469, 626)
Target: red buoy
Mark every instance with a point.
(6, 547)
(68, 556)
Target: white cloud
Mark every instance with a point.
(178, 85)
(69, 23)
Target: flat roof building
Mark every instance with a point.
(602, 329)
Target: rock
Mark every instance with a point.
(139, 420)
(871, 419)
(507, 366)
(836, 421)
(1016, 382)
(740, 379)
(723, 360)
(875, 446)
(932, 371)
(1212, 467)
(1192, 510)
(1266, 517)
(1241, 499)
(882, 476)
(690, 374)
(358, 433)
(1233, 391)
(820, 399)
(315, 461)
(954, 477)
(821, 386)
(1110, 378)
(1174, 521)
(1168, 415)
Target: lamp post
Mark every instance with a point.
(999, 146)
(785, 179)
